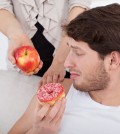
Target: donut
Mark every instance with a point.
(50, 93)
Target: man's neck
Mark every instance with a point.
(109, 97)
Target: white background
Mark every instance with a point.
(3, 51)
(4, 41)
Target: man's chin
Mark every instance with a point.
(76, 86)
(80, 87)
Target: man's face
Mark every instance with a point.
(86, 68)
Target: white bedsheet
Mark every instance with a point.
(16, 91)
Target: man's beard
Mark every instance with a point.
(97, 80)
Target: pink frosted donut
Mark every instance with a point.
(50, 93)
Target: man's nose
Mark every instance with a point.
(68, 61)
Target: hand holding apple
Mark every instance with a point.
(15, 42)
(27, 58)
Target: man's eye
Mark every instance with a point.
(78, 54)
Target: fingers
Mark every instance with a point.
(41, 112)
(49, 79)
(44, 80)
(17, 42)
(29, 74)
(40, 84)
(53, 111)
(52, 78)
(38, 68)
(47, 119)
(40, 65)
(60, 113)
(53, 75)
(55, 78)
(61, 77)
(11, 57)
(35, 71)
(56, 111)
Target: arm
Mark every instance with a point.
(62, 53)
(26, 122)
(10, 26)
(56, 71)
(63, 49)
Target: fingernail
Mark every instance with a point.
(64, 100)
(58, 101)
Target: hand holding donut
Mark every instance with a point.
(47, 119)
(49, 110)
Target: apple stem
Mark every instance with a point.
(25, 52)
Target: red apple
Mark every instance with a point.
(27, 58)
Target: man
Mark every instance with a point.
(94, 64)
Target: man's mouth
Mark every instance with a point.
(74, 75)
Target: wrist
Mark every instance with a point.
(19, 38)
(59, 61)
(74, 12)
(29, 131)
(13, 33)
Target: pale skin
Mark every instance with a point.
(86, 69)
(85, 66)
(56, 71)
(41, 118)
(17, 37)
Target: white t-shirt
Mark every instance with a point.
(85, 116)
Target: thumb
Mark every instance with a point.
(61, 76)
(11, 58)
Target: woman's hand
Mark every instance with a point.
(55, 73)
(16, 42)
(47, 119)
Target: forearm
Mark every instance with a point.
(67, 84)
(9, 24)
(63, 49)
(24, 124)
(29, 131)
(74, 12)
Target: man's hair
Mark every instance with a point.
(99, 27)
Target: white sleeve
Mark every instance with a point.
(7, 5)
(82, 3)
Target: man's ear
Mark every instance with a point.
(114, 60)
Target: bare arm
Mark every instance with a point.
(25, 123)
(63, 49)
(11, 27)
(9, 24)
(56, 72)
